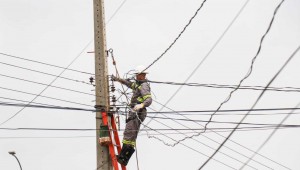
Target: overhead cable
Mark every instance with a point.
(283, 89)
(268, 138)
(171, 45)
(213, 140)
(47, 85)
(43, 96)
(206, 56)
(66, 78)
(251, 66)
(52, 65)
(258, 99)
(64, 69)
(173, 112)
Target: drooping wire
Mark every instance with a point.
(171, 45)
(258, 99)
(149, 136)
(124, 92)
(216, 122)
(206, 56)
(176, 142)
(251, 66)
(197, 134)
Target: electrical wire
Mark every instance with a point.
(268, 138)
(117, 10)
(25, 101)
(258, 99)
(179, 142)
(217, 122)
(52, 65)
(149, 136)
(66, 78)
(52, 98)
(206, 56)
(171, 45)
(15, 114)
(141, 122)
(213, 140)
(160, 129)
(216, 132)
(46, 106)
(251, 66)
(283, 89)
(47, 85)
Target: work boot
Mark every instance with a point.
(125, 154)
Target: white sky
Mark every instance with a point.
(55, 32)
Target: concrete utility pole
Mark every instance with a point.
(101, 81)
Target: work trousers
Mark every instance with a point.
(133, 126)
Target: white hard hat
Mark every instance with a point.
(140, 69)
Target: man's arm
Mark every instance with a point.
(125, 82)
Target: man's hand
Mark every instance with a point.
(114, 78)
(138, 107)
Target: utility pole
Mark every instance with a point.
(101, 81)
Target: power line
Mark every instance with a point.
(206, 56)
(284, 89)
(66, 78)
(171, 45)
(251, 66)
(52, 98)
(217, 122)
(157, 130)
(52, 65)
(47, 85)
(117, 10)
(24, 101)
(46, 107)
(268, 138)
(173, 112)
(260, 96)
(215, 131)
(228, 110)
(179, 141)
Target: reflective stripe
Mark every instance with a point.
(146, 96)
(134, 86)
(127, 142)
(142, 99)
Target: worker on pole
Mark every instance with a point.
(141, 99)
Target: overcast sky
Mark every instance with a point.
(56, 32)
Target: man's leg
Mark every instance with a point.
(130, 135)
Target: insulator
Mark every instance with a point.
(112, 88)
(113, 99)
(91, 80)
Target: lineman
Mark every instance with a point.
(141, 99)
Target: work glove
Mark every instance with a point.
(138, 107)
(114, 78)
